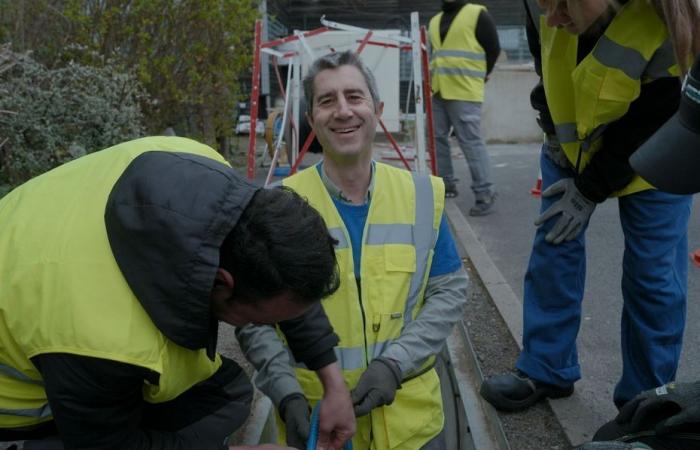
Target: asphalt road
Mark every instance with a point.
(507, 237)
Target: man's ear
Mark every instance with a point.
(379, 109)
(223, 278)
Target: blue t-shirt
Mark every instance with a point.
(445, 259)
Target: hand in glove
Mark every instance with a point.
(377, 386)
(294, 410)
(663, 408)
(574, 210)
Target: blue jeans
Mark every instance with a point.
(654, 289)
(465, 118)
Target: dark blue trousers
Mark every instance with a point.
(654, 289)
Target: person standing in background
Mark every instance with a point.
(465, 47)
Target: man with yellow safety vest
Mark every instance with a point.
(465, 47)
(116, 269)
(610, 79)
(402, 283)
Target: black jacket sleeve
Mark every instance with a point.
(311, 338)
(538, 99)
(609, 169)
(487, 36)
(97, 405)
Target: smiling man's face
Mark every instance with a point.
(344, 116)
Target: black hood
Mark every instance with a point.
(166, 219)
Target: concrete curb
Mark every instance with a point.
(508, 305)
(572, 413)
(260, 426)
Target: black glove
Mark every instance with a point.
(663, 408)
(294, 410)
(377, 386)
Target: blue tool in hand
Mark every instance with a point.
(313, 432)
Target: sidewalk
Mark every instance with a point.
(500, 244)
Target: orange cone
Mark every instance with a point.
(537, 190)
(695, 257)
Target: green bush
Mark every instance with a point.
(48, 117)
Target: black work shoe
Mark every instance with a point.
(483, 206)
(515, 391)
(451, 189)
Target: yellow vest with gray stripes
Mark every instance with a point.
(61, 290)
(584, 98)
(397, 250)
(458, 65)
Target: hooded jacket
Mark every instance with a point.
(135, 228)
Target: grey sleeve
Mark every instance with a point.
(264, 349)
(445, 299)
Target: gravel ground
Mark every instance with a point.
(536, 428)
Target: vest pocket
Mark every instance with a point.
(602, 96)
(399, 258)
(416, 415)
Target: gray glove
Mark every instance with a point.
(663, 408)
(377, 386)
(574, 210)
(294, 410)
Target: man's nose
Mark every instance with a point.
(343, 108)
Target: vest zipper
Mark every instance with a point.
(364, 319)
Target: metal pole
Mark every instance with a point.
(428, 96)
(296, 94)
(417, 92)
(276, 155)
(254, 98)
(395, 145)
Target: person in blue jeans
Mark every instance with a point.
(464, 44)
(666, 417)
(609, 81)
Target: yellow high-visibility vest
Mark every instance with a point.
(61, 290)
(584, 98)
(458, 64)
(398, 240)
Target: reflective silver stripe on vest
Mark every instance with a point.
(458, 54)
(593, 137)
(461, 72)
(44, 411)
(424, 236)
(17, 375)
(628, 60)
(350, 358)
(338, 235)
(395, 233)
(566, 132)
(664, 58)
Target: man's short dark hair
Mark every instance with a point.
(280, 244)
